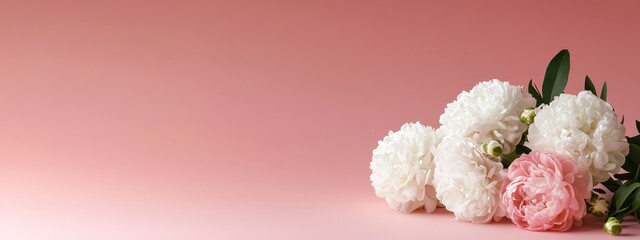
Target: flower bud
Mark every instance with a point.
(597, 206)
(613, 226)
(493, 148)
(527, 116)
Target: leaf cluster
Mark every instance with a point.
(626, 186)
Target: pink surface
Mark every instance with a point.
(256, 120)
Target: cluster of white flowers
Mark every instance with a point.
(407, 164)
(583, 127)
(458, 165)
(477, 128)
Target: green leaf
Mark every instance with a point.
(537, 89)
(623, 193)
(634, 139)
(634, 153)
(505, 163)
(632, 204)
(556, 76)
(611, 184)
(603, 94)
(635, 204)
(624, 176)
(510, 156)
(629, 165)
(588, 85)
(535, 93)
(620, 213)
(615, 212)
(522, 149)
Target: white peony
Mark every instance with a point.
(583, 127)
(467, 181)
(490, 111)
(402, 168)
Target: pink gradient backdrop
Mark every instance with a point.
(256, 119)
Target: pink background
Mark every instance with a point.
(256, 120)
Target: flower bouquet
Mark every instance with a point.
(543, 159)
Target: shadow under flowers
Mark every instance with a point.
(442, 212)
(590, 224)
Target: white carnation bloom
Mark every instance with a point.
(583, 127)
(467, 181)
(490, 111)
(402, 168)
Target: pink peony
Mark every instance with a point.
(544, 192)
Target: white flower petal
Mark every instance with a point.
(402, 168)
(467, 182)
(583, 127)
(490, 111)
